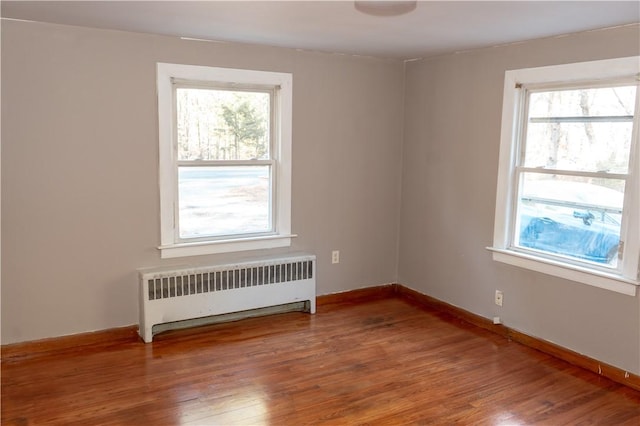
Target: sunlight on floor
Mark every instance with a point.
(506, 419)
(245, 407)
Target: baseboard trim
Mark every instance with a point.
(610, 372)
(75, 342)
(129, 334)
(357, 296)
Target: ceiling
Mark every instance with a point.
(433, 28)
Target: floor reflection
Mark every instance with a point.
(506, 418)
(244, 406)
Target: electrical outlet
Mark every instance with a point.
(335, 256)
(499, 298)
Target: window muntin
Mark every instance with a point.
(225, 173)
(523, 170)
(572, 171)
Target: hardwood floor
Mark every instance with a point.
(378, 362)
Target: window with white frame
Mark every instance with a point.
(568, 198)
(225, 159)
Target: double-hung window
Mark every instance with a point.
(225, 159)
(568, 192)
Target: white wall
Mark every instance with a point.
(80, 201)
(452, 135)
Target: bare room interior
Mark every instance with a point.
(387, 235)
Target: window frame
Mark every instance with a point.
(625, 280)
(172, 245)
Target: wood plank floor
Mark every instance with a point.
(381, 362)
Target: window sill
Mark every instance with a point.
(598, 279)
(224, 246)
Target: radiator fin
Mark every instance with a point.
(187, 284)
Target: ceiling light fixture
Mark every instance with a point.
(385, 8)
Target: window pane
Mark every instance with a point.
(603, 101)
(582, 130)
(571, 216)
(222, 124)
(218, 201)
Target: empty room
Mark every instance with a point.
(320, 212)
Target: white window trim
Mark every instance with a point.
(170, 247)
(627, 281)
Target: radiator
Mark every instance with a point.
(169, 295)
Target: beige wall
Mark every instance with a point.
(80, 177)
(80, 197)
(452, 134)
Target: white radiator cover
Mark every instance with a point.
(177, 294)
